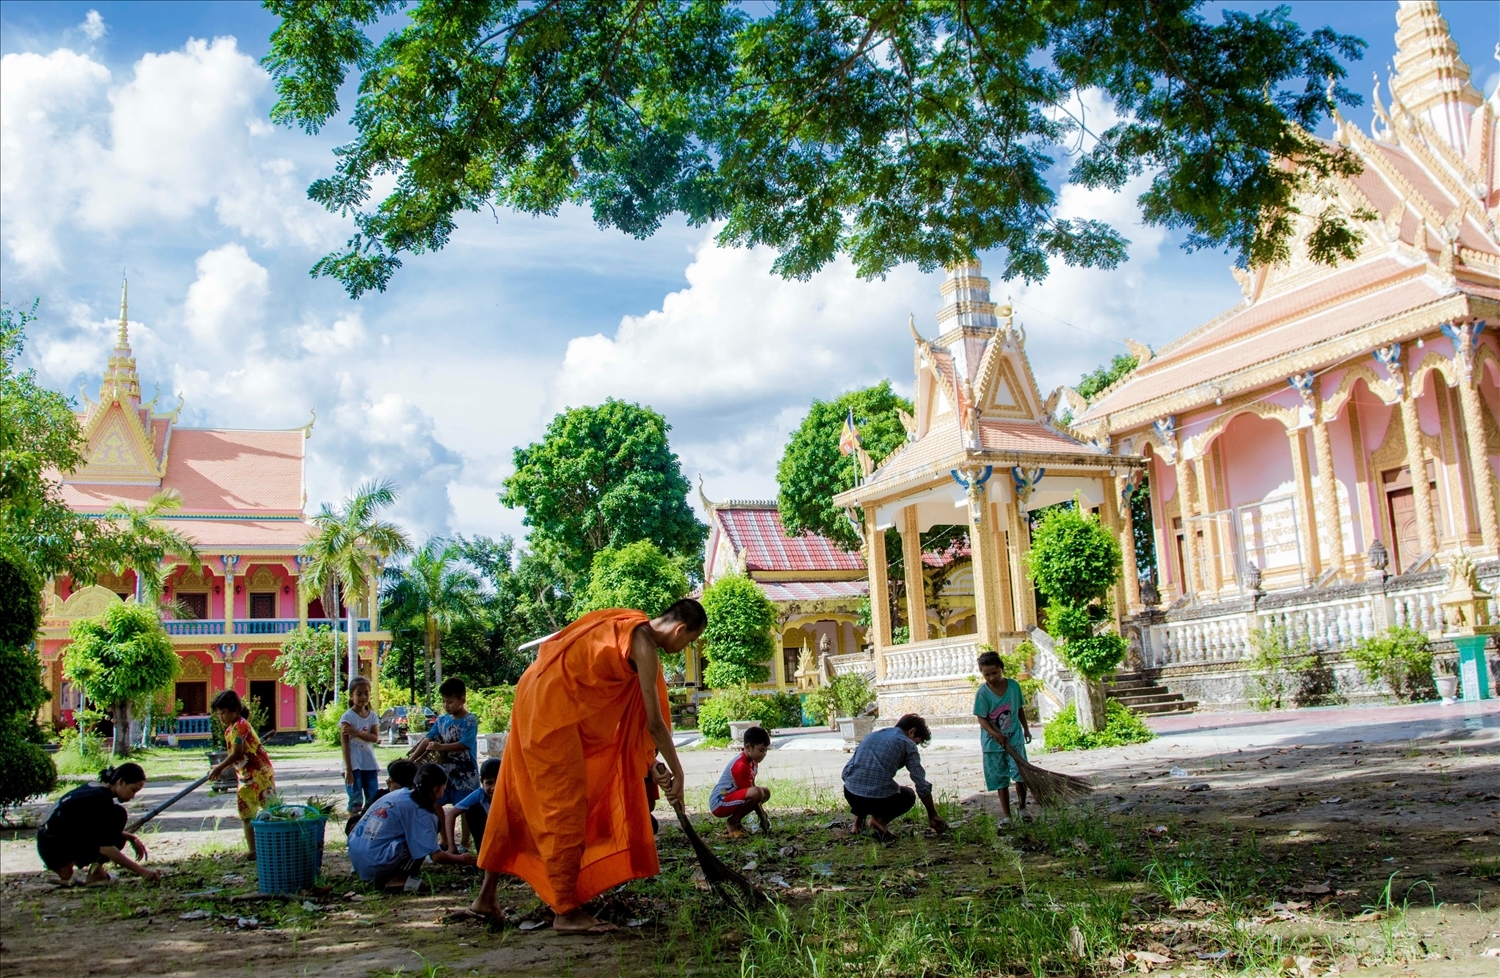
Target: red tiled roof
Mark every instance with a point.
(758, 534)
(813, 590)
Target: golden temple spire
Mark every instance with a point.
(120, 377)
(1430, 80)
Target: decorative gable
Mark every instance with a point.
(119, 449)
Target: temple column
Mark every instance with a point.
(1130, 573)
(1187, 510)
(1481, 475)
(1306, 512)
(300, 597)
(1213, 572)
(1004, 578)
(985, 562)
(1416, 465)
(916, 591)
(1026, 616)
(1327, 494)
(230, 562)
(880, 599)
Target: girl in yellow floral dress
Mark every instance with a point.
(257, 779)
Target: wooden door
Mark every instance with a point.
(1403, 513)
(265, 691)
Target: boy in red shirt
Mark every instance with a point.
(736, 795)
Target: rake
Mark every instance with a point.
(166, 804)
(1051, 788)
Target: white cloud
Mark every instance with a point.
(93, 26)
(225, 302)
(185, 133)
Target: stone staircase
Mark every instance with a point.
(1143, 695)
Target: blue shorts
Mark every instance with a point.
(362, 791)
(999, 770)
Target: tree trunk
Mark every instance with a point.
(333, 617)
(122, 729)
(429, 648)
(1088, 697)
(353, 639)
(437, 660)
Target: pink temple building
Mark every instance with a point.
(1318, 455)
(242, 493)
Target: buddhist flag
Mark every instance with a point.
(849, 441)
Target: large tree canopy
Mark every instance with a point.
(603, 477)
(812, 470)
(887, 130)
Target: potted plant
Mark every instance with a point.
(1445, 678)
(494, 720)
(853, 696)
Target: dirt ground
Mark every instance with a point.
(1379, 855)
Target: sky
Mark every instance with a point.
(135, 140)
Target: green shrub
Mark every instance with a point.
(1121, 727)
(738, 640)
(494, 708)
(847, 695)
(1401, 660)
(325, 725)
(789, 708)
(1018, 662)
(26, 768)
(637, 575)
(736, 703)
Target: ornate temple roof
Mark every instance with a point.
(1431, 176)
(977, 402)
(239, 488)
(756, 541)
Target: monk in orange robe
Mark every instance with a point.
(570, 814)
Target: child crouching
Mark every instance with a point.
(473, 809)
(737, 795)
(400, 831)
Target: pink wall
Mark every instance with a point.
(1257, 458)
(1342, 441)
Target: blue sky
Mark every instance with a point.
(135, 137)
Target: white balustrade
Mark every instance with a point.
(944, 658)
(852, 662)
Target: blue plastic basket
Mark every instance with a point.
(288, 852)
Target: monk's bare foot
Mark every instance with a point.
(485, 908)
(578, 922)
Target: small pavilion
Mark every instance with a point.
(983, 452)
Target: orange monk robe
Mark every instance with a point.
(569, 814)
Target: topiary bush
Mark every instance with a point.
(847, 695)
(735, 703)
(1121, 727)
(737, 641)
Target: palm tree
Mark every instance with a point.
(437, 591)
(346, 551)
(148, 542)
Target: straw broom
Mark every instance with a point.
(733, 887)
(1051, 788)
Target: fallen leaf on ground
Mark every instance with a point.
(1148, 957)
(533, 924)
(1310, 889)
(1368, 916)
(195, 915)
(1491, 952)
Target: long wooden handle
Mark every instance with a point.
(166, 804)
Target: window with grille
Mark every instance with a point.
(263, 605)
(193, 605)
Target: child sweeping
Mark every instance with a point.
(248, 757)
(87, 828)
(1002, 716)
(737, 795)
(473, 809)
(359, 732)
